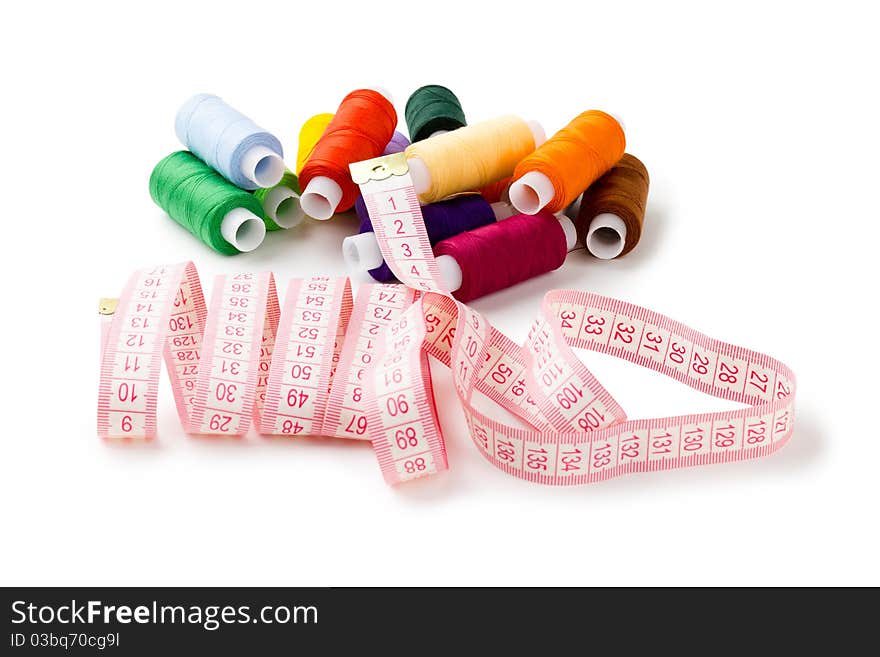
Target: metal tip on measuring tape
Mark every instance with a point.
(107, 305)
(379, 168)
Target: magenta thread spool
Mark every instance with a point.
(500, 255)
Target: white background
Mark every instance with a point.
(759, 128)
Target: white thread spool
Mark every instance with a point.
(606, 236)
(322, 195)
(262, 166)
(532, 191)
(243, 229)
(282, 206)
(361, 252)
(450, 270)
(421, 176)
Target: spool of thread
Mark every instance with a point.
(471, 157)
(442, 220)
(398, 144)
(432, 109)
(612, 210)
(500, 255)
(226, 218)
(360, 130)
(567, 163)
(231, 143)
(281, 203)
(309, 134)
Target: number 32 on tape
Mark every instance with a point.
(326, 364)
(331, 364)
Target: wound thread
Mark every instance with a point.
(472, 157)
(497, 191)
(432, 108)
(398, 144)
(576, 156)
(360, 130)
(222, 137)
(622, 191)
(499, 255)
(311, 131)
(443, 220)
(198, 198)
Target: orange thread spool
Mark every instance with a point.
(571, 160)
(360, 130)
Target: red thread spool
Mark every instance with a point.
(500, 255)
(497, 191)
(360, 130)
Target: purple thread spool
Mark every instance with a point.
(397, 144)
(442, 220)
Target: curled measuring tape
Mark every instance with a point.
(330, 364)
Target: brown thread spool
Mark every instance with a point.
(612, 210)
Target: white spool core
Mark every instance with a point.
(419, 173)
(502, 210)
(606, 236)
(571, 234)
(283, 207)
(262, 166)
(450, 272)
(530, 193)
(361, 252)
(243, 229)
(537, 132)
(321, 198)
(437, 132)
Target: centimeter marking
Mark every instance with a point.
(358, 368)
(382, 375)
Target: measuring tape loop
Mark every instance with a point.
(332, 364)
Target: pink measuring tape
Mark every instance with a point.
(327, 364)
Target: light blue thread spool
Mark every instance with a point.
(230, 142)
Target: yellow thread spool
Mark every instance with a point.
(309, 135)
(471, 157)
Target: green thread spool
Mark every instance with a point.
(226, 218)
(430, 109)
(281, 204)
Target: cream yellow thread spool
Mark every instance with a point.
(471, 157)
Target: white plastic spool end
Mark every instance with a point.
(450, 272)
(321, 197)
(262, 166)
(437, 133)
(537, 133)
(283, 207)
(531, 192)
(243, 229)
(502, 210)
(361, 252)
(418, 172)
(571, 234)
(606, 236)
